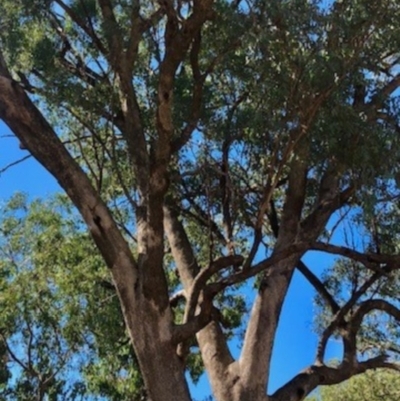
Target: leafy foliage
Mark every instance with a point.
(62, 329)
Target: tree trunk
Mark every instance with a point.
(148, 320)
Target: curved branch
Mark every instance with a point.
(372, 261)
(349, 336)
(200, 297)
(279, 256)
(371, 305)
(204, 275)
(14, 357)
(218, 356)
(194, 324)
(175, 298)
(306, 381)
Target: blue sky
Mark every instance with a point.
(295, 344)
(28, 176)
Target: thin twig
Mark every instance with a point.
(14, 163)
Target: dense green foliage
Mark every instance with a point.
(53, 285)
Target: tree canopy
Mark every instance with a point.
(206, 145)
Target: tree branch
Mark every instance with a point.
(112, 32)
(176, 297)
(14, 163)
(329, 199)
(302, 267)
(384, 93)
(339, 321)
(379, 263)
(203, 276)
(318, 285)
(198, 82)
(215, 352)
(371, 305)
(306, 381)
(193, 324)
(85, 28)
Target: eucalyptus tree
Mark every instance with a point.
(219, 139)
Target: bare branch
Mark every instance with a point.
(88, 29)
(180, 247)
(193, 325)
(380, 263)
(14, 163)
(212, 342)
(339, 321)
(277, 257)
(318, 285)
(391, 365)
(15, 358)
(204, 275)
(306, 381)
(371, 305)
(302, 267)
